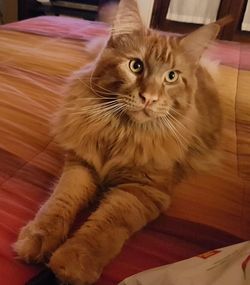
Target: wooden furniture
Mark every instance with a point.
(8, 11)
(1, 17)
(227, 7)
(29, 9)
(87, 9)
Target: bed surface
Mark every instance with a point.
(36, 57)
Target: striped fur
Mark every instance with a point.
(115, 142)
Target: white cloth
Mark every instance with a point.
(43, 1)
(246, 20)
(193, 11)
(225, 266)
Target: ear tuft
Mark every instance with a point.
(128, 18)
(107, 13)
(196, 42)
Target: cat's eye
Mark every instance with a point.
(171, 76)
(136, 65)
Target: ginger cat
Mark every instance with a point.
(135, 121)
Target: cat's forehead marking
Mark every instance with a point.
(160, 49)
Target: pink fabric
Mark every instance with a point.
(79, 29)
(226, 53)
(62, 27)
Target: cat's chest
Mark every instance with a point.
(131, 160)
(130, 165)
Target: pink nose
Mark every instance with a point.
(148, 99)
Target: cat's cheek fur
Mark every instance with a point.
(127, 74)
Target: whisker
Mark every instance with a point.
(96, 92)
(103, 110)
(95, 115)
(89, 86)
(92, 109)
(176, 134)
(92, 98)
(180, 134)
(181, 115)
(109, 92)
(93, 106)
(185, 128)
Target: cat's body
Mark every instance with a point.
(133, 124)
(125, 152)
(113, 144)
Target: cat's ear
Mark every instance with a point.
(196, 42)
(127, 19)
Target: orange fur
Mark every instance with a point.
(134, 135)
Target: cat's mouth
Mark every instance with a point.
(142, 115)
(147, 112)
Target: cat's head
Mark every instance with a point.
(146, 74)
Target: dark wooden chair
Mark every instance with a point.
(87, 9)
(227, 7)
(1, 18)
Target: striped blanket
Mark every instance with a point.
(36, 57)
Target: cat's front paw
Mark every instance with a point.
(75, 265)
(37, 240)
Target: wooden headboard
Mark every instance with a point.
(227, 7)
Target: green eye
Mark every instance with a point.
(136, 65)
(171, 76)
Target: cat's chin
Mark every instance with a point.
(141, 116)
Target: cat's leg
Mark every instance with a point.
(123, 211)
(41, 236)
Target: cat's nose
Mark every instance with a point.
(148, 99)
